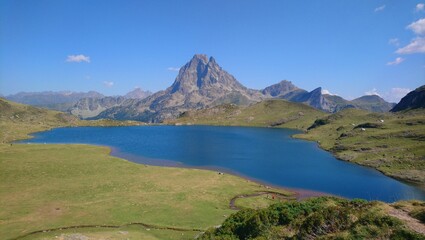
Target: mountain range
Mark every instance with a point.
(67, 100)
(201, 83)
(61, 101)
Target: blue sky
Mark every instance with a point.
(347, 47)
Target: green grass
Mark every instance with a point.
(19, 120)
(395, 146)
(53, 186)
(277, 113)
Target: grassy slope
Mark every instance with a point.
(279, 113)
(53, 186)
(18, 120)
(395, 147)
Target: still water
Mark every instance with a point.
(263, 154)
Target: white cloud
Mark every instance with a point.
(394, 42)
(78, 58)
(418, 27)
(420, 7)
(396, 94)
(417, 45)
(374, 91)
(174, 69)
(381, 8)
(397, 61)
(88, 77)
(325, 91)
(108, 84)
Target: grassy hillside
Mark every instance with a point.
(391, 143)
(276, 113)
(18, 120)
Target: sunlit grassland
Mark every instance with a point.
(391, 143)
(53, 186)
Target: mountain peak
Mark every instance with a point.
(317, 91)
(200, 58)
(137, 93)
(279, 89)
(200, 74)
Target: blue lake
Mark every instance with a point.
(267, 155)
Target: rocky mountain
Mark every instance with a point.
(413, 100)
(283, 89)
(288, 91)
(372, 103)
(137, 93)
(201, 83)
(322, 101)
(52, 100)
(91, 107)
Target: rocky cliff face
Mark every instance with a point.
(200, 83)
(413, 100)
(91, 107)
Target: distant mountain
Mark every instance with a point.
(413, 100)
(52, 100)
(91, 107)
(284, 89)
(288, 91)
(137, 93)
(325, 102)
(200, 83)
(372, 103)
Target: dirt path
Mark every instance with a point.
(412, 223)
(232, 203)
(109, 226)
